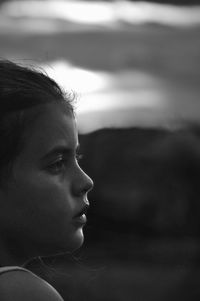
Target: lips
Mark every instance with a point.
(81, 218)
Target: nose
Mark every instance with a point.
(82, 183)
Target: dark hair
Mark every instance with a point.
(21, 89)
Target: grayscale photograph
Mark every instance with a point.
(99, 150)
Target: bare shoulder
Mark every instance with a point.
(23, 286)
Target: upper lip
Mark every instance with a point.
(83, 210)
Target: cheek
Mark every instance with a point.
(43, 199)
(49, 210)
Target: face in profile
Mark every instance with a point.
(45, 200)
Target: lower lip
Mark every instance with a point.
(80, 220)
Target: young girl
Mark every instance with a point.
(43, 190)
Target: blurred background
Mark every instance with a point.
(135, 66)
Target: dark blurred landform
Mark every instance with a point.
(142, 237)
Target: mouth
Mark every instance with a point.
(81, 217)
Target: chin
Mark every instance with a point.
(64, 243)
(75, 242)
(78, 240)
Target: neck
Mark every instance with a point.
(10, 256)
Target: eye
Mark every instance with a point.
(58, 166)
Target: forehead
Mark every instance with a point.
(53, 126)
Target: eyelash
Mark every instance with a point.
(78, 157)
(58, 165)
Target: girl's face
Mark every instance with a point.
(43, 203)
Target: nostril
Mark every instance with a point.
(90, 184)
(82, 183)
(86, 202)
(87, 186)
